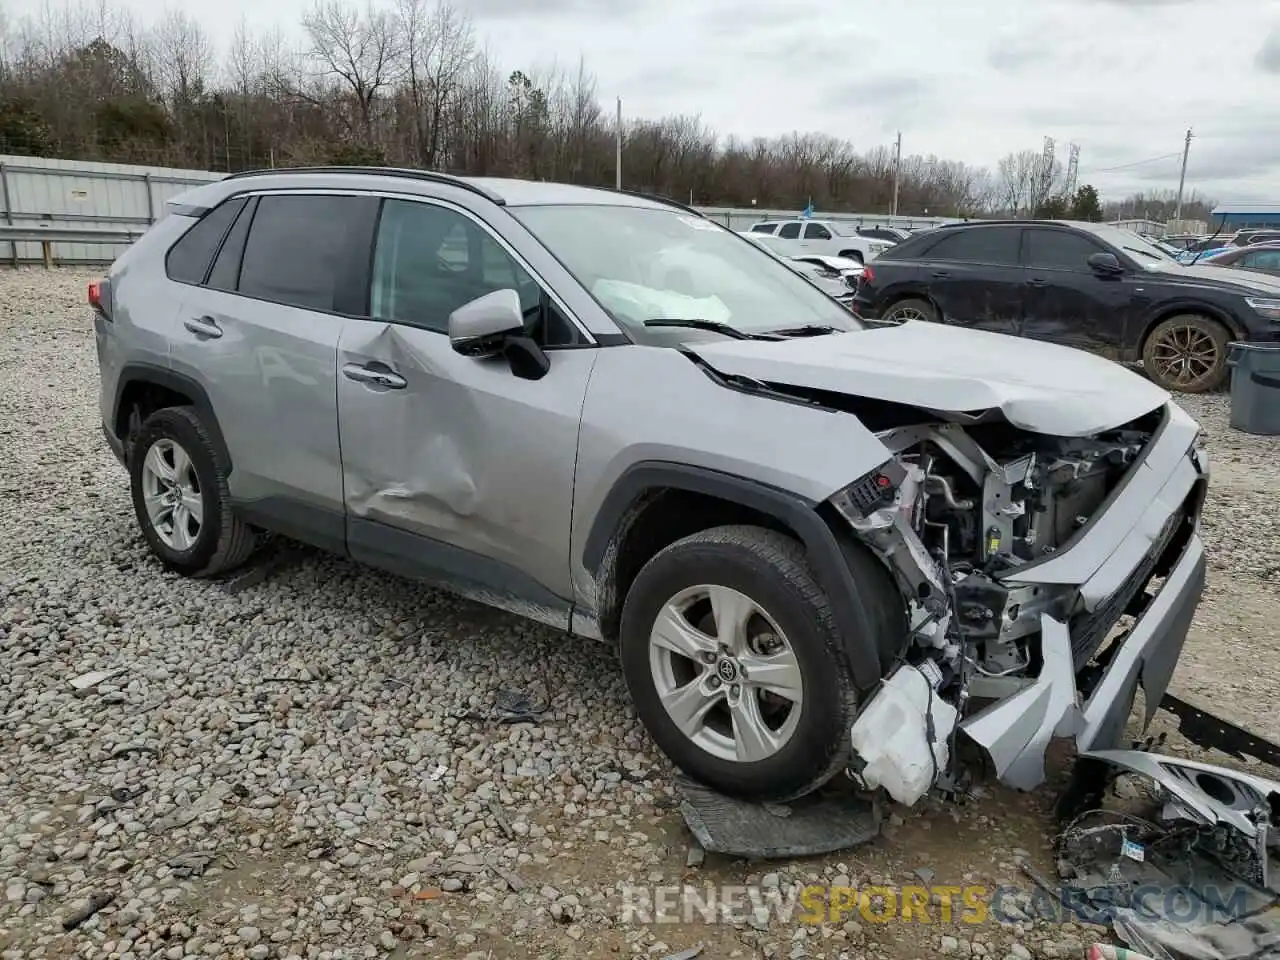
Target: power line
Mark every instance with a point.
(1136, 163)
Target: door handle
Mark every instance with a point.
(205, 327)
(373, 377)
(1036, 282)
(941, 273)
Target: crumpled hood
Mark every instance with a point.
(1038, 386)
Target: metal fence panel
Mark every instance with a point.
(93, 196)
(117, 196)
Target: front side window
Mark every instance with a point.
(1059, 250)
(816, 231)
(431, 260)
(296, 253)
(642, 263)
(789, 231)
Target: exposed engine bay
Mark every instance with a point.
(956, 513)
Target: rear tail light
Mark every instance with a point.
(100, 297)
(868, 275)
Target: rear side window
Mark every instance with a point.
(296, 249)
(994, 245)
(789, 231)
(188, 259)
(764, 228)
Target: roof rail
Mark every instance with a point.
(656, 198)
(427, 175)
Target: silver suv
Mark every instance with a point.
(816, 546)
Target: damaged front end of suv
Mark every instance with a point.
(1045, 577)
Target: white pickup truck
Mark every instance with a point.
(792, 238)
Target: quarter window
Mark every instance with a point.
(188, 259)
(297, 251)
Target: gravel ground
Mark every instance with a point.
(314, 765)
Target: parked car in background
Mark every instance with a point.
(1086, 285)
(891, 234)
(794, 237)
(836, 276)
(1260, 257)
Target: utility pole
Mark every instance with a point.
(618, 150)
(1182, 180)
(897, 168)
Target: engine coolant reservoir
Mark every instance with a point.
(892, 737)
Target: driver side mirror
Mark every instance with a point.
(493, 325)
(1105, 263)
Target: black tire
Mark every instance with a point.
(772, 570)
(223, 541)
(1190, 329)
(910, 309)
(853, 255)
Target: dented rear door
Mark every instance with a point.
(454, 469)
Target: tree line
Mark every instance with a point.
(409, 83)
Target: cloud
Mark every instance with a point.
(1013, 52)
(1268, 58)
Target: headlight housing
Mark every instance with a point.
(1268, 307)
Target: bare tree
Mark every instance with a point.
(184, 57)
(362, 50)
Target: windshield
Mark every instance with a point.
(643, 264)
(1141, 250)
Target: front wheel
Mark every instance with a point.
(730, 653)
(1187, 353)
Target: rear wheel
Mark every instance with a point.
(910, 309)
(180, 496)
(1187, 353)
(731, 655)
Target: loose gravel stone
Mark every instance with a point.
(302, 766)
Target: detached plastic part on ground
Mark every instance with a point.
(1197, 878)
(1194, 877)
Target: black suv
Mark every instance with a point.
(1086, 285)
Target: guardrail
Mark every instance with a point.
(48, 236)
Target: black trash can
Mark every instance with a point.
(1255, 387)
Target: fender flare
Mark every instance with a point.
(1178, 307)
(797, 514)
(149, 373)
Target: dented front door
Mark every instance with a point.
(453, 468)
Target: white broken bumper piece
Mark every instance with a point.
(902, 735)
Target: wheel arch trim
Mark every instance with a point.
(797, 514)
(151, 374)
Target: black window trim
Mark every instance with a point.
(249, 210)
(798, 224)
(1099, 246)
(217, 247)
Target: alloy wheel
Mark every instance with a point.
(725, 673)
(1184, 355)
(171, 492)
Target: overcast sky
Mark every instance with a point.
(965, 79)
